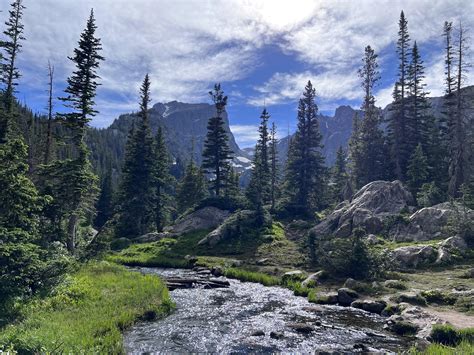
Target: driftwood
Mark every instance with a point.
(174, 283)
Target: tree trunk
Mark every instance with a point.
(71, 232)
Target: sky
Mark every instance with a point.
(261, 51)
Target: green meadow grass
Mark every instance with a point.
(88, 312)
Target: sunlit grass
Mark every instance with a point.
(88, 312)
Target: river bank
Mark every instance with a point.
(87, 312)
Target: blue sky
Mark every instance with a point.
(259, 51)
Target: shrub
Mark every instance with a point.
(120, 243)
(404, 328)
(448, 335)
(438, 297)
(429, 195)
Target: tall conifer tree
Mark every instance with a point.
(305, 167)
(216, 154)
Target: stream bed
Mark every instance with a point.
(251, 318)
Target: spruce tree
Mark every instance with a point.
(216, 154)
(397, 130)
(9, 71)
(136, 193)
(104, 204)
(258, 191)
(274, 172)
(418, 170)
(458, 165)
(191, 188)
(339, 176)
(81, 91)
(48, 150)
(161, 181)
(367, 142)
(305, 167)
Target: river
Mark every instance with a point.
(251, 318)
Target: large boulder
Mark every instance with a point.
(369, 208)
(345, 296)
(427, 223)
(232, 226)
(204, 218)
(411, 257)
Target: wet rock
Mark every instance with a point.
(360, 347)
(369, 208)
(217, 271)
(370, 306)
(345, 296)
(301, 327)
(276, 335)
(326, 298)
(411, 257)
(258, 333)
(204, 218)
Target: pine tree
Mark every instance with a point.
(216, 154)
(339, 176)
(305, 167)
(258, 191)
(49, 131)
(104, 204)
(367, 141)
(192, 187)
(418, 170)
(458, 171)
(397, 129)
(161, 181)
(22, 259)
(136, 193)
(81, 90)
(9, 71)
(273, 166)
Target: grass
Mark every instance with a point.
(449, 340)
(87, 312)
(251, 276)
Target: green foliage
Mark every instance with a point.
(438, 297)
(348, 257)
(448, 335)
(339, 177)
(251, 276)
(305, 171)
(417, 172)
(104, 204)
(192, 188)
(88, 312)
(216, 154)
(429, 195)
(228, 203)
(404, 328)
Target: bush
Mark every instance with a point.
(404, 328)
(348, 257)
(448, 335)
(438, 297)
(429, 195)
(120, 243)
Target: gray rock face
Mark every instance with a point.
(426, 224)
(369, 208)
(204, 218)
(227, 228)
(370, 306)
(345, 296)
(411, 257)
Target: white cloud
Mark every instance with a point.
(246, 135)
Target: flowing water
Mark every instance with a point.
(227, 320)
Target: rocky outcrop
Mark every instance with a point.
(412, 257)
(229, 228)
(371, 306)
(414, 318)
(345, 296)
(369, 208)
(427, 223)
(204, 218)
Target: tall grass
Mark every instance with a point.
(87, 313)
(251, 276)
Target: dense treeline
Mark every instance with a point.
(51, 196)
